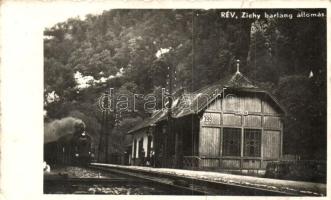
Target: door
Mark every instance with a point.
(209, 146)
(271, 144)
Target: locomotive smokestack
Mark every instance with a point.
(79, 128)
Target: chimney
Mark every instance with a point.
(238, 64)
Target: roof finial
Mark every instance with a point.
(238, 61)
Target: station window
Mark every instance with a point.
(252, 142)
(231, 141)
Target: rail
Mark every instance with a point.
(214, 187)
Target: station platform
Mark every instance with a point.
(296, 187)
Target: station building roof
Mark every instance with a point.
(192, 103)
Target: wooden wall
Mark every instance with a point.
(242, 111)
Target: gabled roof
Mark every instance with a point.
(238, 80)
(201, 98)
(192, 103)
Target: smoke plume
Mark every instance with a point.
(59, 128)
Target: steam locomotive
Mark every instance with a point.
(81, 149)
(71, 149)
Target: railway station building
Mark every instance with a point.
(230, 125)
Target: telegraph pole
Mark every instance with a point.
(169, 114)
(106, 125)
(170, 130)
(177, 132)
(106, 104)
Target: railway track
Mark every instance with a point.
(195, 186)
(63, 184)
(133, 181)
(170, 184)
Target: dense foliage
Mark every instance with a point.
(278, 54)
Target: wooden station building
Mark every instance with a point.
(230, 125)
